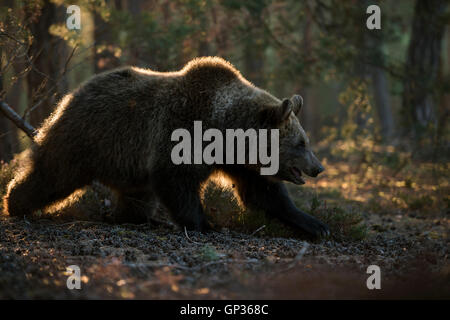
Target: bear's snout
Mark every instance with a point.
(313, 166)
(315, 172)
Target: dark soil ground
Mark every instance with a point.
(407, 239)
(138, 262)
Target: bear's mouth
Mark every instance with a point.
(297, 175)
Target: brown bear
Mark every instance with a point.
(116, 128)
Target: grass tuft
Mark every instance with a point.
(224, 211)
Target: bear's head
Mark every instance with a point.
(295, 154)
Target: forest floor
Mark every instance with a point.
(394, 215)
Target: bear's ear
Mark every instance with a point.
(275, 116)
(285, 111)
(297, 103)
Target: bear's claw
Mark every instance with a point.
(314, 227)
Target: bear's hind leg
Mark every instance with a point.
(134, 207)
(181, 198)
(35, 189)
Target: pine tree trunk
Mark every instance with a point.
(309, 116)
(371, 67)
(423, 64)
(5, 129)
(382, 103)
(104, 58)
(45, 82)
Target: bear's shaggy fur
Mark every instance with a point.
(117, 127)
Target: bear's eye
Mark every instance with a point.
(302, 144)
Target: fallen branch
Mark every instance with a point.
(257, 230)
(18, 120)
(187, 236)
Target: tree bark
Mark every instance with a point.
(5, 128)
(14, 97)
(309, 115)
(422, 65)
(104, 58)
(380, 86)
(370, 67)
(9, 140)
(444, 108)
(46, 84)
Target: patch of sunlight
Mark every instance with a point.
(202, 291)
(399, 202)
(400, 184)
(359, 198)
(323, 184)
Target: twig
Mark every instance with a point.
(3, 33)
(187, 236)
(257, 230)
(18, 120)
(301, 253)
(297, 258)
(50, 90)
(26, 220)
(68, 60)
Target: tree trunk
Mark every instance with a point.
(46, 84)
(380, 86)
(422, 64)
(371, 67)
(14, 98)
(309, 115)
(104, 58)
(5, 128)
(382, 103)
(444, 109)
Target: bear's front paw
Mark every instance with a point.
(314, 227)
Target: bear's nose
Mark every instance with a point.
(318, 170)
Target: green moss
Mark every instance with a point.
(208, 253)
